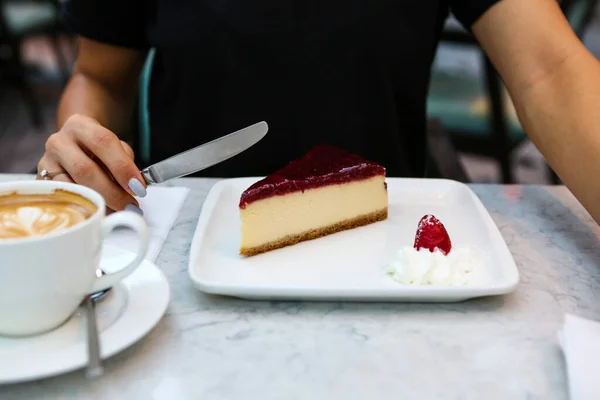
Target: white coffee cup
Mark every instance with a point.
(44, 278)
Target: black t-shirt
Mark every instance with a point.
(349, 73)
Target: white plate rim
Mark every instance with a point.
(116, 337)
(401, 293)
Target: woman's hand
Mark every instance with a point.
(85, 152)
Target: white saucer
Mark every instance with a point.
(125, 315)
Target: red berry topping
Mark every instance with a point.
(432, 234)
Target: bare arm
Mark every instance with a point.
(555, 84)
(103, 85)
(96, 106)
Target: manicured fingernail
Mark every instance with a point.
(137, 188)
(134, 208)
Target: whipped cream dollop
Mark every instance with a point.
(461, 267)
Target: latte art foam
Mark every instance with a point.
(37, 220)
(32, 215)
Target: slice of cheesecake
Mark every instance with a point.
(326, 191)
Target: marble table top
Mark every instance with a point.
(210, 347)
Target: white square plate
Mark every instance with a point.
(349, 265)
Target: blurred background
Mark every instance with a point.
(474, 133)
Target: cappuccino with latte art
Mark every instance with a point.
(26, 215)
(51, 244)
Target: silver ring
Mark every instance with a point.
(45, 175)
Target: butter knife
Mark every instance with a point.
(205, 155)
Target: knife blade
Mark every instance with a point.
(205, 155)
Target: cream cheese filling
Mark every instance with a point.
(276, 217)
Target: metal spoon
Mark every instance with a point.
(94, 367)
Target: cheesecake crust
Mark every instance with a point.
(316, 233)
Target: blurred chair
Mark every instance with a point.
(475, 108)
(142, 139)
(443, 159)
(20, 19)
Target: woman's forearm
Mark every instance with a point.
(103, 85)
(561, 116)
(86, 96)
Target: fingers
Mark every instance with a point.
(52, 166)
(128, 150)
(61, 154)
(110, 151)
(93, 156)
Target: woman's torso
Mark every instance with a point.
(349, 73)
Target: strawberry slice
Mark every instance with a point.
(432, 234)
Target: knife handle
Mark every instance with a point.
(147, 174)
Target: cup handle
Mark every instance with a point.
(135, 222)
